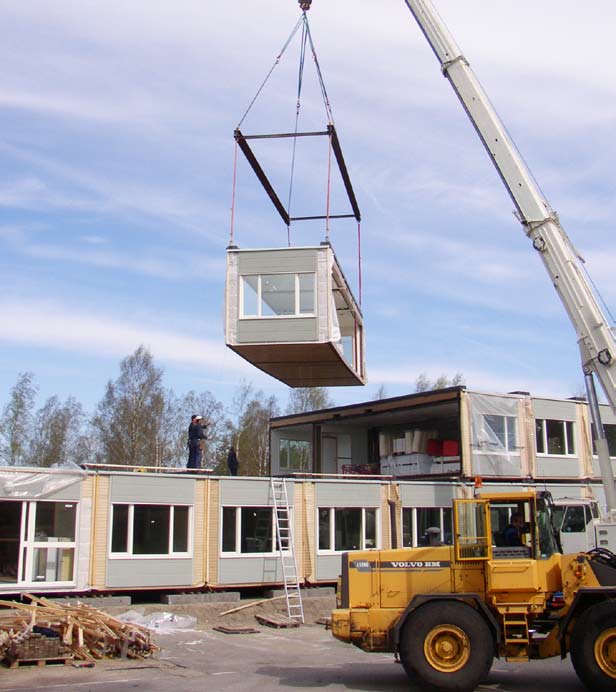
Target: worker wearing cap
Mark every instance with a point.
(196, 439)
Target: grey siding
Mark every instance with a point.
(249, 570)
(249, 492)
(348, 494)
(153, 489)
(555, 410)
(278, 261)
(328, 567)
(414, 495)
(149, 572)
(276, 330)
(558, 466)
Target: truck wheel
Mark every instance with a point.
(593, 647)
(447, 646)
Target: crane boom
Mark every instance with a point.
(541, 224)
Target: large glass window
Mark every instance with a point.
(347, 528)
(48, 542)
(420, 525)
(247, 530)
(555, 437)
(278, 295)
(295, 455)
(155, 530)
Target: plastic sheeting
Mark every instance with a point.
(495, 441)
(164, 622)
(38, 484)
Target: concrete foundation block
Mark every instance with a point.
(187, 598)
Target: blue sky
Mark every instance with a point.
(116, 124)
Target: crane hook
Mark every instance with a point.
(304, 5)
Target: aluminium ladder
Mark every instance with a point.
(286, 548)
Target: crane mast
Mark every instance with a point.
(596, 338)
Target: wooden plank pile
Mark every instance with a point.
(44, 630)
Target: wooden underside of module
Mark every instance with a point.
(301, 365)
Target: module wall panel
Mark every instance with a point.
(278, 261)
(249, 570)
(152, 490)
(426, 494)
(133, 572)
(348, 494)
(277, 330)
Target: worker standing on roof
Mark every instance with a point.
(196, 441)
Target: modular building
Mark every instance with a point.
(372, 475)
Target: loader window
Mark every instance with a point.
(473, 536)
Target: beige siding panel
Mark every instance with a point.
(528, 453)
(213, 532)
(385, 539)
(100, 531)
(584, 442)
(309, 532)
(199, 533)
(278, 261)
(466, 447)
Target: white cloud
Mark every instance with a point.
(56, 326)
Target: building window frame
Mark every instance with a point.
(237, 532)
(364, 527)
(567, 436)
(29, 544)
(129, 553)
(298, 290)
(414, 529)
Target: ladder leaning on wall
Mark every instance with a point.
(286, 548)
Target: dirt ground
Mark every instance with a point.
(209, 614)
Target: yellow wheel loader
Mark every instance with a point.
(448, 611)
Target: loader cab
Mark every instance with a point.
(484, 527)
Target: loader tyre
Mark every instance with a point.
(447, 646)
(593, 647)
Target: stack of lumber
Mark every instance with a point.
(44, 627)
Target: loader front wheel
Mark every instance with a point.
(447, 646)
(593, 647)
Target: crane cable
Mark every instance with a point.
(300, 77)
(306, 37)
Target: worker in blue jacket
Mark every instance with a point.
(196, 441)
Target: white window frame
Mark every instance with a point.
(415, 523)
(28, 544)
(332, 529)
(238, 532)
(544, 435)
(169, 555)
(298, 313)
